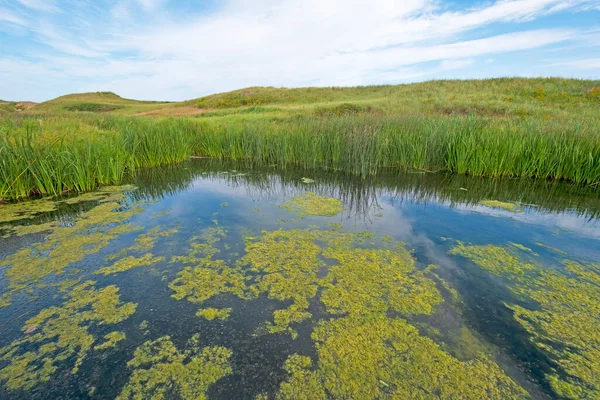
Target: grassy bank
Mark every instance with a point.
(546, 129)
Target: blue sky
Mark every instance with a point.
(182, 49)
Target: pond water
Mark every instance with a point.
(220, 281)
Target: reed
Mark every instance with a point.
(51, 155)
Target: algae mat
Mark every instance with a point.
(217, 282)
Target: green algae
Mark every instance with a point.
(564, 325)
(125, 264)
(286, 266)
(377, 280)
(313, 204)
(567, 327)
(288, 263)
(512, 207)
(144, 242)
(376, 357)
(61, 335)
(112, 339)
(161, 371)
(551, 248)
(67, 244)
(26, 210)
(205, 277)
(214, 313)
(497, 260)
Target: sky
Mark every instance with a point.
(183, 49)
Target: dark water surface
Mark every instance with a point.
(230, 282)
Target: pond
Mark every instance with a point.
(221, 281)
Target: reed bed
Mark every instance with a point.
(58, 154)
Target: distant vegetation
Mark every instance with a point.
(536, 128)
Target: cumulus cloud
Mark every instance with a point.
(152, 49)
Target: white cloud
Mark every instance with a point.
(142, 50)
(41, 5)
(581, 64)
(7, 16)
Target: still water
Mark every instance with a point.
(219, 281)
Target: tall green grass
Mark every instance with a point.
(53, 155)
(363, 145)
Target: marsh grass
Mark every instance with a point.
(535, 128)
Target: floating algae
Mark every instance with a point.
(494, 259)
(376, 357)
(288, 263)
(214, 313)
(144, 242)
(127, 263)
(61, 335)
(551, 248)
(313, 204)
(203, 276)
(162, 372)
(512, 207)
(377, 280)
(26, 210)
(566, 326)
(65, 245)
(111, 340)
(285, 264)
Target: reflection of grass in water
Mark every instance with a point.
(65, 245)
(58, 335)
(313, 204)
(160, 370)
(512, 207)
(373, 356)
(565, 323)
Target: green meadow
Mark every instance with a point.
(511, 127)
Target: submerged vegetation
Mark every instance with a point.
(160, 371)
(542, 128)
(564, 325)
(59, 335)
(313, 204)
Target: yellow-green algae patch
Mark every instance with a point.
(25, 210)
(376, 357)
(288, 263)
(161, 371)
(65, 245)
(144, 242)
(377, 280)
(512, 207)
(313, 204)
(112, 339)
(205, 277)
(61, 335)
(127, 263)
(554, 249)
(214, 313)
(566, 323)
(494, 259)
(566, 326)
